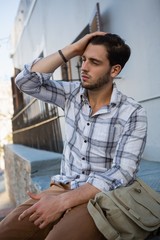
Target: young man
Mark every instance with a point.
(105, 138)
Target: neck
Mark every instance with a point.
(100, 97)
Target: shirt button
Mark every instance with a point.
(83, 172)
(85, 141)
(83, 158)
(88, 124)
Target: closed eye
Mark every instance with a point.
(95, 62)
(92, 60)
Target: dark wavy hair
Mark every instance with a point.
(118, 52)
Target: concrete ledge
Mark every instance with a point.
(31, 169)
(28, 169)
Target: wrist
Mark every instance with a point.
(65, 201)
(78, 196)
(62, 56)
(69, 52)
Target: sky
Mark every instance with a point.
(8, 11)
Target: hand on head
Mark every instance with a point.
(81, 44)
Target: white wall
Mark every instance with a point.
(152, 150)
(54, 24)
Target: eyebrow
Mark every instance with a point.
(93, 59)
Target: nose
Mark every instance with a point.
(85, 66)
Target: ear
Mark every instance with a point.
(115, 70)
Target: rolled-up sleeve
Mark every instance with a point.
(27, 74)
(40, 86)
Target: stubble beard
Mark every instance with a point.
(101, 82)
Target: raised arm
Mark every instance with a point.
(50, 63)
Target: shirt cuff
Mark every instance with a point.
(98, 183)
(102, 184)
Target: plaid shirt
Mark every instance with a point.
(104, 148)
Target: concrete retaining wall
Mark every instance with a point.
(28, 169)
(31, 169)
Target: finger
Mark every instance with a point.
(33, 195)
(43, 225)
(38, 221)
(26, 213)
(33, 217)
(99, 33)
(96, 34)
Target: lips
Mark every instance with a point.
(84, 77)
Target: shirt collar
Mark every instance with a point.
(115, 97)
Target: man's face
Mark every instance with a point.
(96, 69)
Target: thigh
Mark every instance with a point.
(11, 228)
(76, 224)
